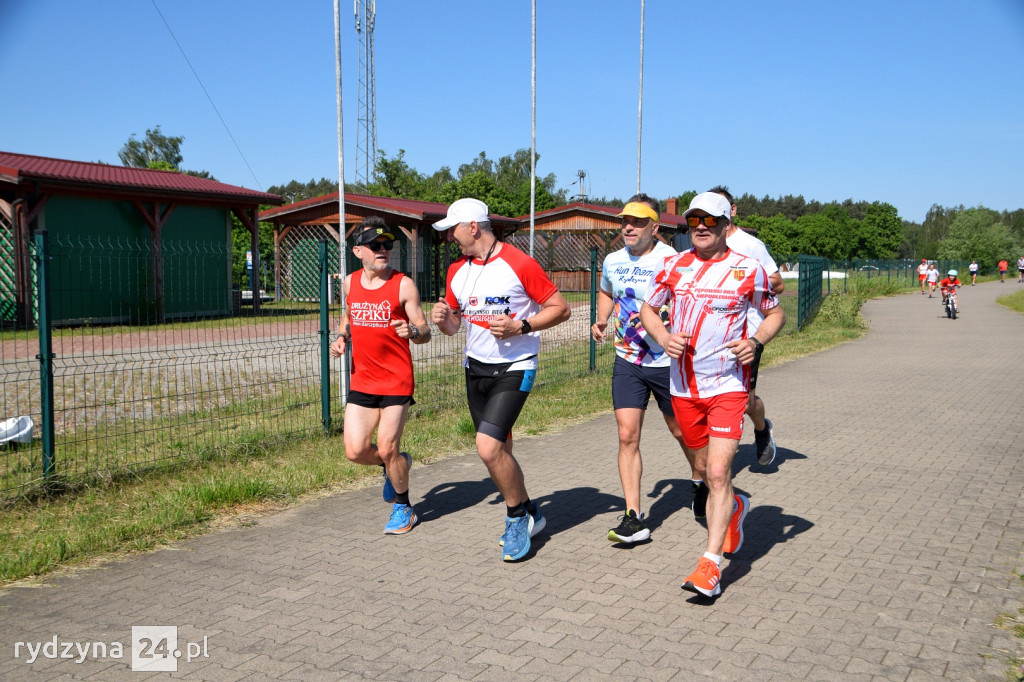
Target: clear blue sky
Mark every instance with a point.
(911, 102)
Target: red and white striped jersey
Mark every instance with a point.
(710, 300)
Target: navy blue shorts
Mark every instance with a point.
(632, 386)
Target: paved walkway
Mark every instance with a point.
(881, 545)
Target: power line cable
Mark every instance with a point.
(200, 81)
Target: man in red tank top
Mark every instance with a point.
(381, 316)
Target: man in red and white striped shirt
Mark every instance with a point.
(711, 290)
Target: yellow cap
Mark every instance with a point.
(637, 209)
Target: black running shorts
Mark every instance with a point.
(378, 401)
(496, 396)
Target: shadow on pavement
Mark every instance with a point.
(766, 526)
(449, 498)
(565, 509)
(672, 494)
(746, 457)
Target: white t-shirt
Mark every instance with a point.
(510, 283)
(973, 267)
(749, 245)
(710, 300)
(626, 278)
(933, 275)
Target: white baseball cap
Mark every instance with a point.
(464, 211)
(711, 203)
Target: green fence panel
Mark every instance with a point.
(811, 269)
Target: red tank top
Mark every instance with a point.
(381, 359)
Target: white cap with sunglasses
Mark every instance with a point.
(712, 203)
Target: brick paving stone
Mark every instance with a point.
(881, 544)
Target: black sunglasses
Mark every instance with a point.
(377, 246)
(708, 220)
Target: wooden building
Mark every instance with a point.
(111, 230)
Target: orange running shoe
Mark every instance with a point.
(705, 580)
(734, 534)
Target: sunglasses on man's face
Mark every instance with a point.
(377, 246)
(708, 220)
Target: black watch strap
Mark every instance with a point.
(526, 328)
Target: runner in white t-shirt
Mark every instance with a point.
(711, 291)
(503, 298)
(933, 279)
(641, 365)
(741, 242)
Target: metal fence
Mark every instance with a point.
(809, 288)
(817, 276)
(114, 393)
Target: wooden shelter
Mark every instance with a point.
(564, 237)
(78, 201)
(299, 224)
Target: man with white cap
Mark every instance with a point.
(641, 365)
(749, 245)
(711, 290)
(504, 298)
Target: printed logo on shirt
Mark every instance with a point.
(739, 274)
(497, 300)
(473, 300)
(367, 314)
(730, 309)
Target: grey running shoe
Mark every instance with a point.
(764, 443)
(631, 529)
(700, 500)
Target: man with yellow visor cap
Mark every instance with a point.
(641, 365)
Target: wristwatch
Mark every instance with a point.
(415, 333)
(526, 328)
(758, 346)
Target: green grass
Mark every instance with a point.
(1014, 301)
(246, 468)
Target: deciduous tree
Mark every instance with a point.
(155, 147)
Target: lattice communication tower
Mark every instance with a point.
(366, 137)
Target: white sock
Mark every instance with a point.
(714, 557)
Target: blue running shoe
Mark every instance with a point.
(539, 523)
(517, 537)
(389, 493)
(403, 518)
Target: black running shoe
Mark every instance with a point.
(764, 443)
(700, 500)
(631, 529)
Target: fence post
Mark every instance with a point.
(593, 305)
(325, 344)
(45, 357)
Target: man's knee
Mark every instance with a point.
(358, 452)
(490, 448)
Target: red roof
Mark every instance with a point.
(670, 219)
(427, 211)
(24, 167)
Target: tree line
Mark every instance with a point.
(787, 224)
